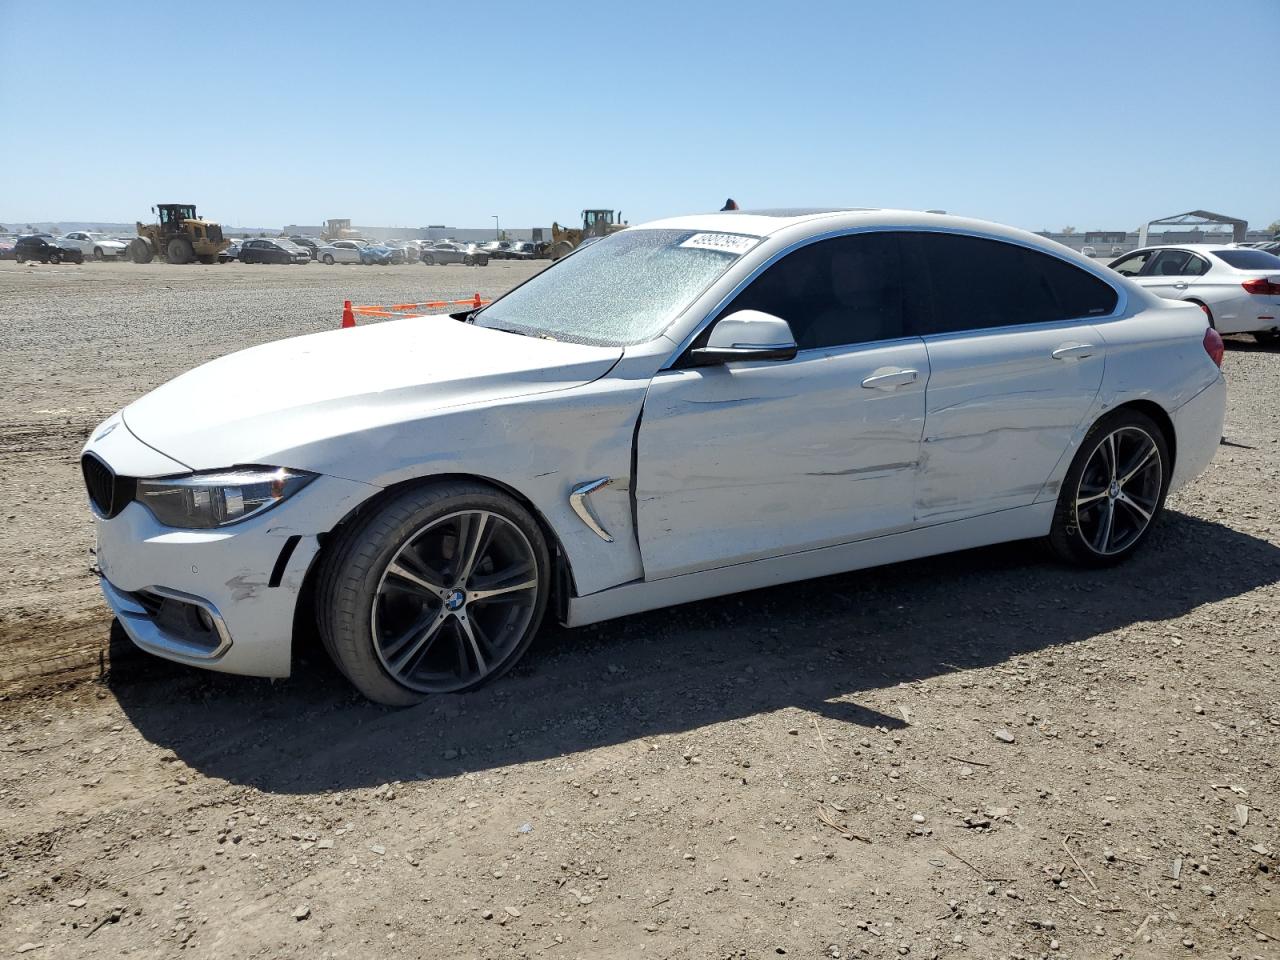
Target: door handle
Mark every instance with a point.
(1180, 286)
(1074, 351)
(890, 379)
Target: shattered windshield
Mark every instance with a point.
(621, 290)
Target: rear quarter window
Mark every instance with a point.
(978, 283)
(1246, 259)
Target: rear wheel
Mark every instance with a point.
(20, 257)
(1267, 337)
(208, 258)
(1113, 492)
(140, 251)
(55, 256)
(429, 260)
(439, 591)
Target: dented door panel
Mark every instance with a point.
(1002, 410)
(748, 460)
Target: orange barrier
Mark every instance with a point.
(405, 309)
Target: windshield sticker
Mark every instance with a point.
(734, 243)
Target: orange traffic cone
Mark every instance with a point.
(348, 318)
(475, 304)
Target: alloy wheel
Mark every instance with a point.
(455, 601)
(1119, 490)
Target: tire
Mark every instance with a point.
(328, 259)
(54, 257)
(429, 260)
(424, 644)
(98, 254)
(1267, 338)
(20, 257)
(140, 251)
(179, 251)
(1133, 502)
(207, 258)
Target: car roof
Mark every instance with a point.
(800, 223)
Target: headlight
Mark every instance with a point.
(216, 499)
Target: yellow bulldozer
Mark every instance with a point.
(338, 230)
(595, 223)
(179, 236)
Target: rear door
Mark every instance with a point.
(1171, 273)
(1015, 367)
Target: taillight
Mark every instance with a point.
(1264, 286)
(1213, 346)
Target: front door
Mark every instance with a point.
(762, 458)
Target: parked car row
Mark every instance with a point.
(1237, 287)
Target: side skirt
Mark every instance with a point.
(1020, 523)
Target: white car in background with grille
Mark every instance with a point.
(1238, 288)
(697, 406)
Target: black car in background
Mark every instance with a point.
(46, 250)
(309, 244)
(276, 250)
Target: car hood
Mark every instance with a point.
(275, 400)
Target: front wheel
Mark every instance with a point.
(328, 259)
(98, 255)
(1113, 492)
(429, 260)
(439, 591)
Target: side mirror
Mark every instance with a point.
(746, 335)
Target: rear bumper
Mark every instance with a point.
(1198, 425)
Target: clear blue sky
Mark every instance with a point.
(1039, 114)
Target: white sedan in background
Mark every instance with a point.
(99, 246)
(340, 251)
(1238, 288)
(697, 406)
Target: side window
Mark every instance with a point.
(1132, 265)
(835, 292)
(976, 284)
(1169, 263)
(1196, 266)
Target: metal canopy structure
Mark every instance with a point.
(1196, 218)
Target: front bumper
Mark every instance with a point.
(221, 599)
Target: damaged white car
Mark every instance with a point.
(692, 407)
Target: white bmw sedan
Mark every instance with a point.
(1238, 288)
(692, 407)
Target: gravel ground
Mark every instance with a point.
(982, 755)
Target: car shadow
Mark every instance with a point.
(816, 645)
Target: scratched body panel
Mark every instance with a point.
(751, 459)
(1001, 411)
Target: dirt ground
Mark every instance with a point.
(980, 755)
